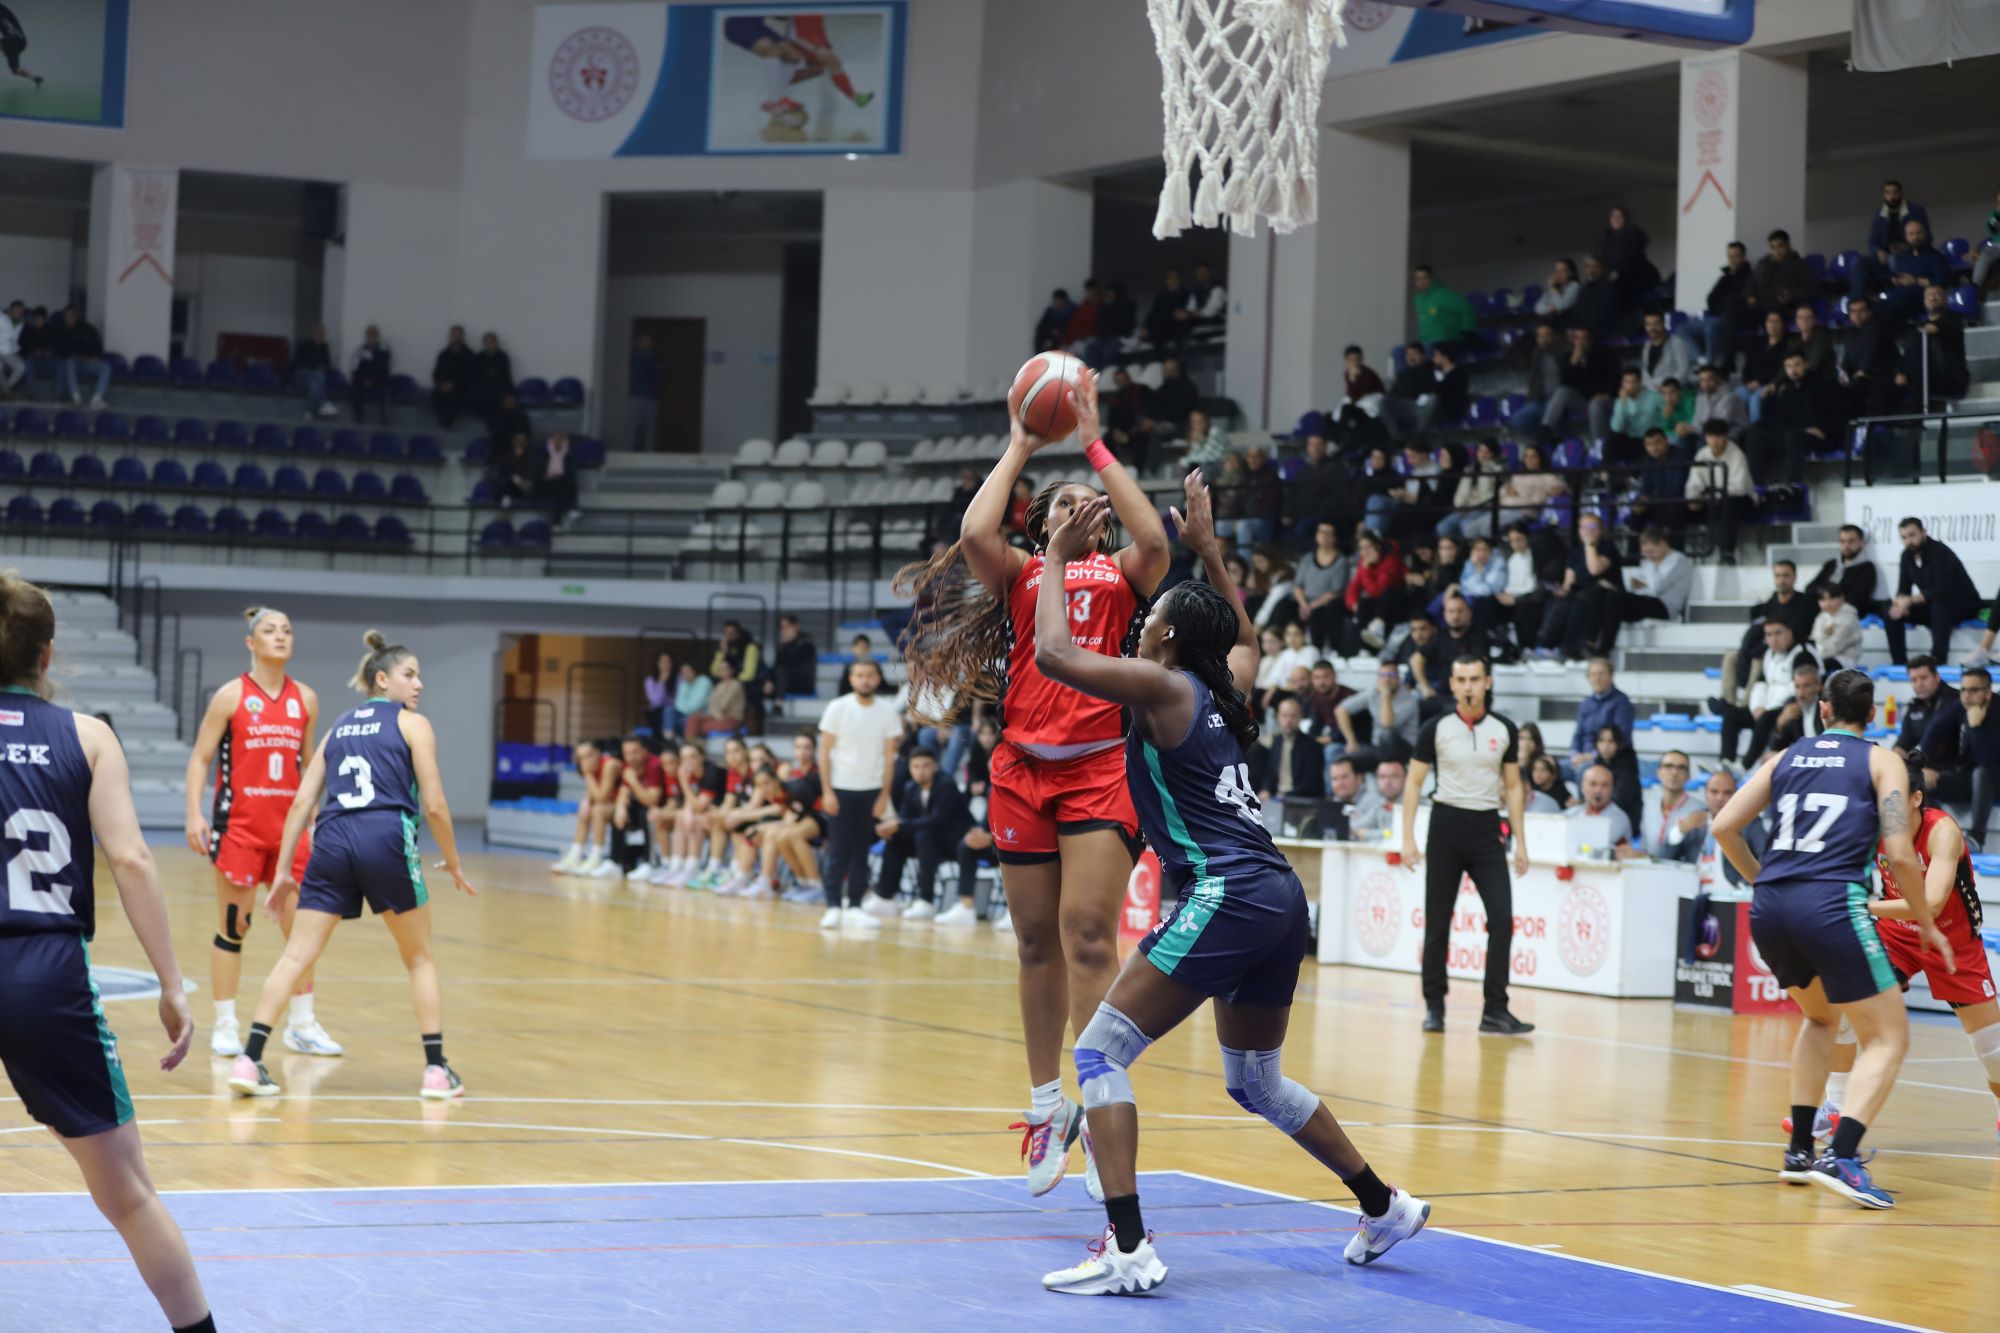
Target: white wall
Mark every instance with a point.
(895, 303)
(236, 294)
(1028, 238)
(739, 384)
(396, 270)
(35, 269)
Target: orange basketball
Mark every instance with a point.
(1040, 397)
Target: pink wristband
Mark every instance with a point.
(1100, 455)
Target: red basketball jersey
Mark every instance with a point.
(1039, 712)
(260, 764)
(1959, 918)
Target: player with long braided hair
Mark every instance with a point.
(1063, 824)
(1240, 928)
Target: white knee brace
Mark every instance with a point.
(1107, 1048)
(1986, 1045)
(1260, 1087)
(1844, 1036)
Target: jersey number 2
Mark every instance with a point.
(364, 783)
(1830, 807)
(22, 895)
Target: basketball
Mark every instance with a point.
(1040, 397)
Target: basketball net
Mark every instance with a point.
(1239, 94)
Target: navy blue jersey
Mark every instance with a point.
(1199, 809)
(45, 797)
(1823, 820)
(368, 764)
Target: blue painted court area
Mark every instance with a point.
(884, 1254)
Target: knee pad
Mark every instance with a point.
(1986, 1045)
(1844, 1035)
(1260, 1087)
(230, 940)
(1109, 1044)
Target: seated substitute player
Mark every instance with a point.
(1240, 929)
(1834, 794)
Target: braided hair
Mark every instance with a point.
(1204, 625)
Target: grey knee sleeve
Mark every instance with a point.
(1259, 1086)
(1109, 1044)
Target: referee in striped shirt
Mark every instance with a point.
(1474, 752)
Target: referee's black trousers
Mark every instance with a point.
(1467, 842)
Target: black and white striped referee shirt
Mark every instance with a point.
(1466, 758)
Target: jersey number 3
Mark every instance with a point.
(364, 783)
(22, 895)
(1830, 806)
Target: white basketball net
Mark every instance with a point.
(1239, 92)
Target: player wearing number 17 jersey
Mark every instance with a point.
(378, 767)
(1832, 795)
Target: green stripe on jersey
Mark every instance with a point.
(414, 859)
(1204, 893)
(1870, 938)
(122, 1095)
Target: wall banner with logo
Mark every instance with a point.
(660, 80)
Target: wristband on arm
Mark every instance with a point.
(1100, 455)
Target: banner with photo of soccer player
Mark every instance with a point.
(645, 80)
(65, 61)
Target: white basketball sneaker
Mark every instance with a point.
(920, 911)
(311, 1039)
(958, 914)
(831, 919)
(1376, 1236)
(567, 863)
(860, 918)
(1109, 1271)
(226, 1042)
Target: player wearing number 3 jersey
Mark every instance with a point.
(258, 729)
(378, 766)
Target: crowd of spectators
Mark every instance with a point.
(52, 357)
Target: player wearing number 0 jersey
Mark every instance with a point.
(1064, 830)
(257, 729)
(378, 769)
(1240, 928)
(63, 781)
(1832, 795)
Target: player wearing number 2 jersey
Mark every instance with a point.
(1832, 795)
(378, 768)
(1240, 929)
(258, 729)
(1063, 826)
(63, 780)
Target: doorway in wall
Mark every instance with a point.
(680, 351)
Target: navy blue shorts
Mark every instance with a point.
(747, 32)
(1243, 945)
(1821, 928)
(54, 1041)
(370, 857)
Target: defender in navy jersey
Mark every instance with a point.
(63, 781)
(378, 769)
(1240, 928)
(1832, 796)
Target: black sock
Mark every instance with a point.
(433, 1048)
(254, 1048)
(1124, 1214)
(1369, 1191)
(1847, 1137)
(1802, 1128)
(205, 1324)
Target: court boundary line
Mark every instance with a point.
(1562, 1254)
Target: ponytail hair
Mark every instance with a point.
(253, 616)
(1915, 762)
(27, 626)
(1204, 625)
(381, 656)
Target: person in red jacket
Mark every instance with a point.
(1375, 593)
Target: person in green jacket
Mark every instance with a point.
(1442, 314)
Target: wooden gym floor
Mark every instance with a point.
(609, 1035)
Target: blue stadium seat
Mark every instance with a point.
(352, 529)
(1817, 263)
(1841, 267)
(392, 531)
(408, 490)
(232, 435)
(290, 480)
(149, 517)
(66, 513)
(190, 430)
(221, 375)
(231, 522)
(566, 392)
(152, 430)
(11, 464)
(535, 532)
(6, 422)
(308, 441)
(329, 483)
(425, 449)
(187, 372)
(1483, 411)
(498, 533)
(336, 382)
(120, 367)
(347, 443)
(129, 471)
(257, 378)
(88, 467)
(1957, 251)
(31, 421)
(586, 451)
(46, 466)
(149, 370)
(270, 435)
(209, 475)
(191, 520)
(252, 480)
(482, 492)
(169, 472)
(532, 393)
(1964, 301)
(107, 514)
(112, 426)
(477, 452)
(72, 424)
(24, 511)
(313, 527)
(370, 486)
(273, 523)
(404, 389)
(385, 445)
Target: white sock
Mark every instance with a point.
(302, 1009)
(575, 851)
(1044, 1101)
(1836, 1090)
(225, 1011)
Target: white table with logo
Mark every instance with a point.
(1580, 923)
